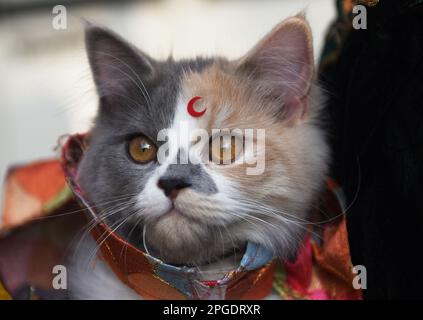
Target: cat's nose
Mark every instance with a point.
(171, 186)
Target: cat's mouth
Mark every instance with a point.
(176, 213)
(179, 211)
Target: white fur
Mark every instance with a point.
(91, 278)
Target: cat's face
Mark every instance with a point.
(198, 210)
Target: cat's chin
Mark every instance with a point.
(178, 240)
(174, 214)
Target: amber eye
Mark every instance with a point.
(225, 149)
(142, 149)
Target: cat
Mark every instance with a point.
(198, 214)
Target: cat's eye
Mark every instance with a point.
(142, 149)
(225, 149)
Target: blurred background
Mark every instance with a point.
(46, 88)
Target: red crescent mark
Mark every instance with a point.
(191, 110)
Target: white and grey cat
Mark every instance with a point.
(199, 213)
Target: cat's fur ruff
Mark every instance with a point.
(271, 87)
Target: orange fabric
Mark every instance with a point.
(333, 264)
(42, 180)
(28, 189)
(253, 285)
(4, 295)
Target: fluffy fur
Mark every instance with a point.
(271, 87)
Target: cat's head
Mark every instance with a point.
(196, 210)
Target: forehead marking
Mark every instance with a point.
(192, 111)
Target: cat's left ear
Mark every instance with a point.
(281, 67)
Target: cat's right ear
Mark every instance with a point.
(281, 67)
(116, 65)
